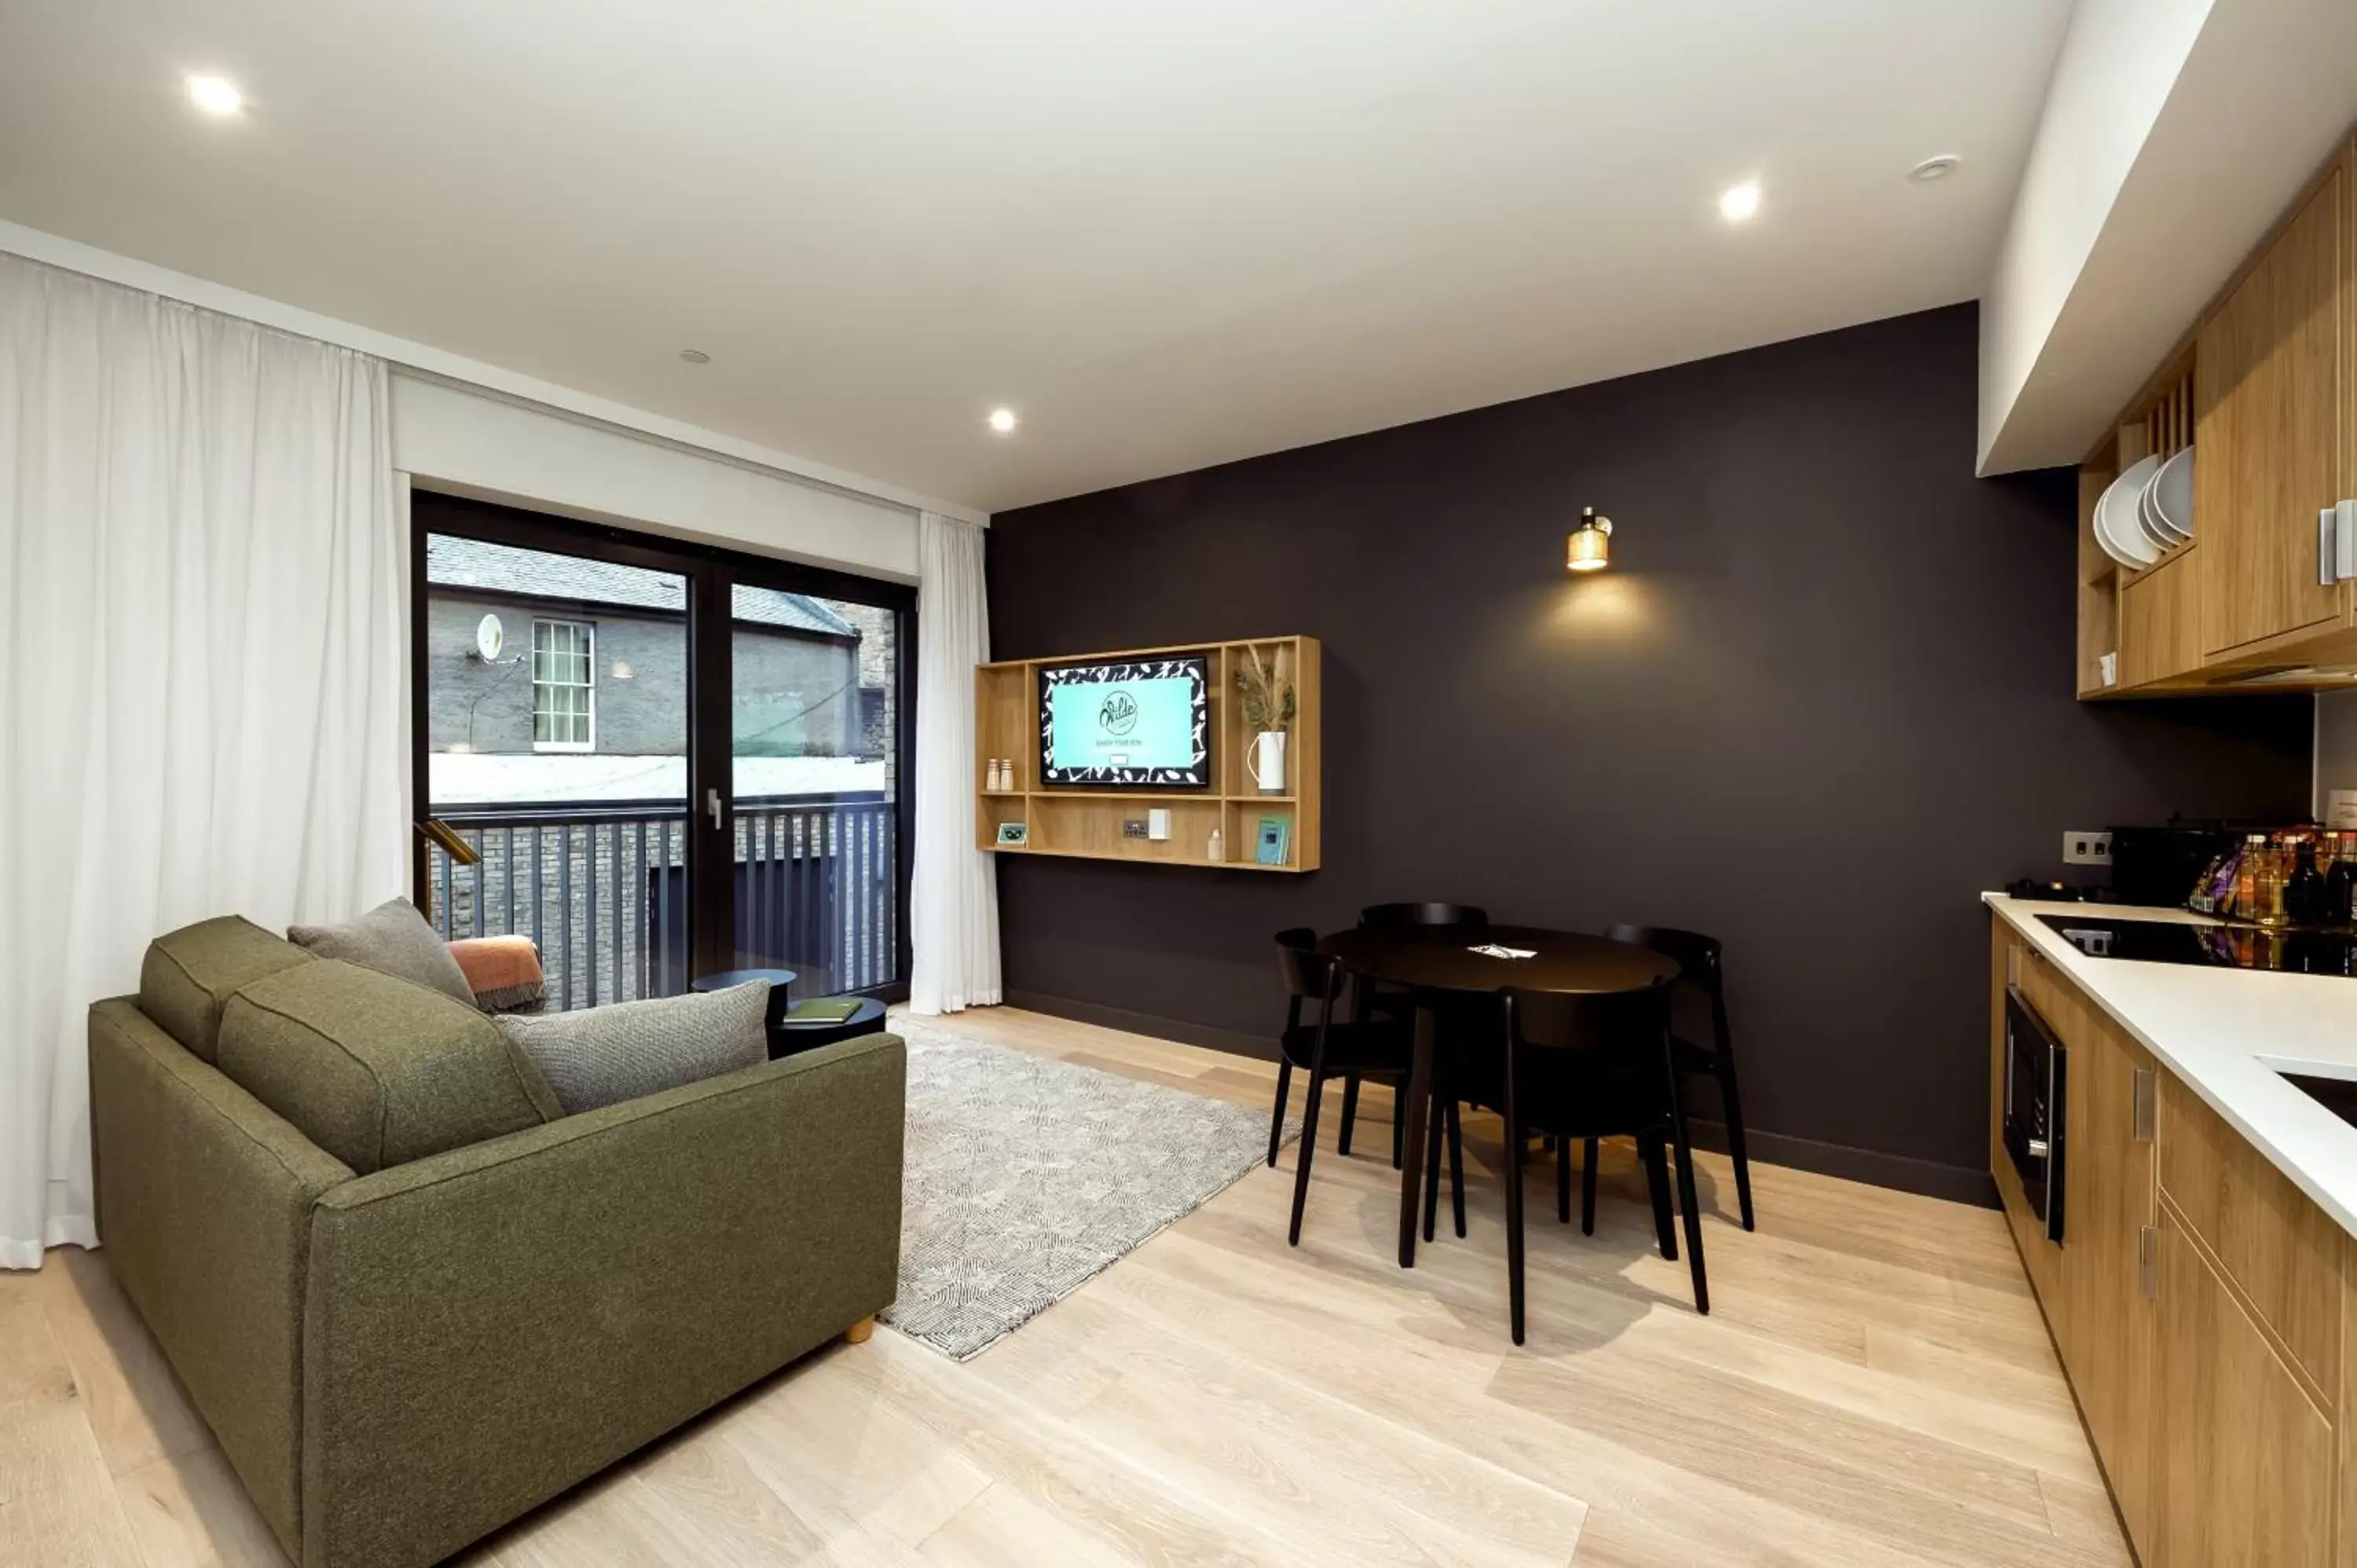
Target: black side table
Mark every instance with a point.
(782, 985)
(797, 1035)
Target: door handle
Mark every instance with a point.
(712, 804)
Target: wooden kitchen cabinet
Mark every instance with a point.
(2108, 1241)
(2271, 402)
(2198, 1303)
(2244, 1461)
(2160, 622)
(2281, 1251)
(2263, 387)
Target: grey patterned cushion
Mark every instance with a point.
(391, 938)
(604, 1056)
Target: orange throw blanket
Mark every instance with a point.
(502, 971)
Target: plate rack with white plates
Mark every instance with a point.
(2136, 520)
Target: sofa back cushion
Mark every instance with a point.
(190, 974)
(603, 1056)
(392, 938)
(374, 1069)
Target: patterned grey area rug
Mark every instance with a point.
(1027, 1176)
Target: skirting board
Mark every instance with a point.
(1957, 1184)
(1233, 1041)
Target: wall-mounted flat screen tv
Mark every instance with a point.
(1144, 724)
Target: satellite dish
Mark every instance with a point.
(490, 638)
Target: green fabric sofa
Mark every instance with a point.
(472, 1303)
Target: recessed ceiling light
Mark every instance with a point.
(1002, 420)
(696, 356)
(1930, 170)
(215, 94)
(1739, 202)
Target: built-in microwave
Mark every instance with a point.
(2035, 1095)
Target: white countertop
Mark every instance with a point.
(2227, 1033)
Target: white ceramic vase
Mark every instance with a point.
(1266, 761)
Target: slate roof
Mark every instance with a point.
(533, 573)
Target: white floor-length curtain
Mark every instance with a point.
(953, 896)
(201, 627)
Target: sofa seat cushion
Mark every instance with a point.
(374, 1069)
(603, 1056)
(188, 975)
(391, 938)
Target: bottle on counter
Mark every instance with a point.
(2268, 880)
(2341, 880)
(2303, 888)
(2245, 902)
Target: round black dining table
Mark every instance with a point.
(1433, 960)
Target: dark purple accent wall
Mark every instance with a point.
(1822, 699)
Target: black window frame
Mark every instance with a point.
(710, 749)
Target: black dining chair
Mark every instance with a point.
(1589, 1066)
(1701, 966)
(1389, 1002)
(1329, 1047)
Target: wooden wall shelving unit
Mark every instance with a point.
(1087, 822)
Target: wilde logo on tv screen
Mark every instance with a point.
(1118, 717)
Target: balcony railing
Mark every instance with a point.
(601, 889)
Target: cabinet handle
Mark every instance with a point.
(2148, 1262)
(2336, 544)
(2146, 1109)
(2012, 965)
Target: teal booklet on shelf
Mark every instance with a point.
(1275, 839)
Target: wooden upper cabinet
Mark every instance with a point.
(2271, 433)
(2159, 622)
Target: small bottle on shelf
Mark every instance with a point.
(1215, 850)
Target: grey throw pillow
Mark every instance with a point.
(603, 1056)
(391, 938)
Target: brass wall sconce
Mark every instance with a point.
(1591, 543)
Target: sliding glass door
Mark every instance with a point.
(658, 761)
(814, 765)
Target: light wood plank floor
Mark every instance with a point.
(1873, 1387)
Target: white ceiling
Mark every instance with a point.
(1170, 234)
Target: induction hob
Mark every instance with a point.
(2221, 946)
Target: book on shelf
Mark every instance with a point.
(1276, 841)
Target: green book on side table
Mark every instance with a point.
(822, 1010)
